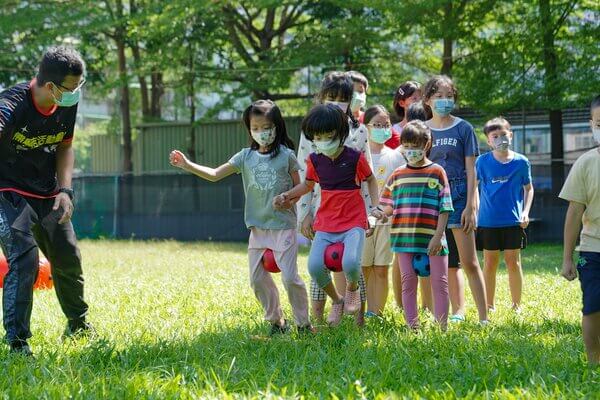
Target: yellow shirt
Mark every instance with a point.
(583, 186)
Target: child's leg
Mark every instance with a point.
(397, 281)
(590, 324)
(294, 285)
(426, 298)
(409, 289)
(468, 259)
(354, 241)
(318, 299)
(456, 287)
(340, 281)
(370, 283)
(264, 288)
(439, 285)
(316, 265)
(512, 258)
(381, 288)
(491, 259)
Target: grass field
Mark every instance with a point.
(177, 321)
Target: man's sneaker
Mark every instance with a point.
(20, 347)
(335, 315)
(77, 330)
(277, 329)
(352, 301)
(306, 330)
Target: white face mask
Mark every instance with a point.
(264, 138)
(358, 101)
(501, 143)
(413, 156)
(596, 133)
(327, 147)
(341, 104)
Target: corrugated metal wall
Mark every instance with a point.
(216, 142)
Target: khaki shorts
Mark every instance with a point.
(378, 250)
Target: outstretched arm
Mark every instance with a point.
(179, 160)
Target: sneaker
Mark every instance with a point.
(457, 318)
(370, 314)
(78, 330)
(335, 315)
(277, 329)
(307, 330)
(484, 322)
(352, 301)
(21, 347)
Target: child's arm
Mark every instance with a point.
(179, 160)
(293, 194)
(289, 203)
(572, 228)
(528, 201)
(468, 218)
(435, 244)
(377, 211)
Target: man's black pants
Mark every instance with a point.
(27, 224)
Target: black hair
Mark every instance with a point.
(57, 63)
(417, 111)
(325, 118)
(433, 85)
(403, 92)
(359, 78)
(373, 111)
(335, 85)
(268, 109)
(496, 124)
(595, 103)
(416, 132)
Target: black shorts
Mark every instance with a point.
(507, 238)
(588, 268)
(453, 258)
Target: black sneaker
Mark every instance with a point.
(279, 329)
(307, 330)
(77, 330)
(21, 347)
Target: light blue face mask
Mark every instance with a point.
(443, 107)
(68, 99)
(381, 135)
(327, 147)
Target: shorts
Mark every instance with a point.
(458, 191)
(318, 294)
(377, 249)
(506, 238)
(588, 268)
(453, 257)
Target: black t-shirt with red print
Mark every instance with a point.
(29, 138)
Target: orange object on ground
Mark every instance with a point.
(44, 279)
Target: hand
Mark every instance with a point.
(524, 221)
(178, 159)
(369, 232)
(380, 215)
(468, 220)
(307, 229)
(63, 201)
(435, 245)
(281, 202)
(569, 271)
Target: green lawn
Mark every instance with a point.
(178, 320)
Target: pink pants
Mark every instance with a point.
(285, 249)
(439, 287)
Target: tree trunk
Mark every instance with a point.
(124, 105)
(447, 61)
(553, 96)
(156, 95)
(137, 60)
(192, 100)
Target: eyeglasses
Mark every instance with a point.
(380, 126)
(71, 90)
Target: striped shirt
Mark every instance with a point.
(418, 195)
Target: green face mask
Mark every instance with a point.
(68, 99)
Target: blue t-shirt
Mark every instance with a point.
(264, 178)
(501, 190)
(450, 146)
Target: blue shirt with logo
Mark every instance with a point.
(450, 146)
(501, 190)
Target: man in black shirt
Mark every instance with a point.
(37, 120)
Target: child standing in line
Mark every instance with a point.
(342, 215)
(455, 148)
(378, 256)
(268, 167)
(418, 197)
(582, 190)
(359, 95)
(506, 195)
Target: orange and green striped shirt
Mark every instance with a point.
(418, 195)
